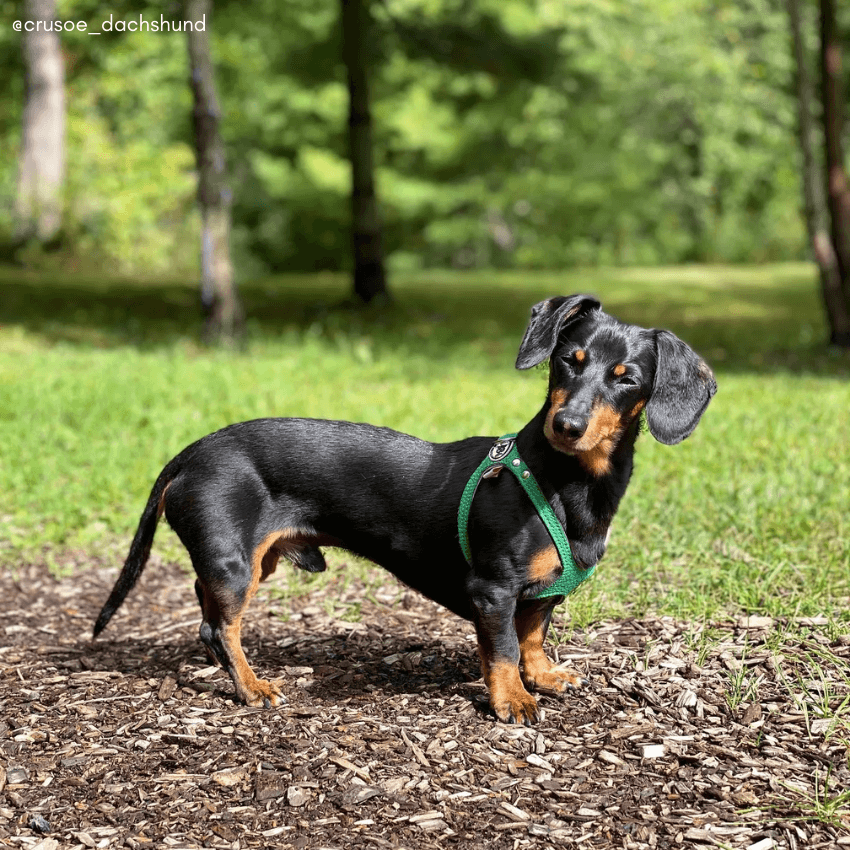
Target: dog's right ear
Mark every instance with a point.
(548, 319)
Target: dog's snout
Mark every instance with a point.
(569, 424)
(574, 428)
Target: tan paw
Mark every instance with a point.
(262, 694)
(518, 707)
(511, 702)
(555, 680)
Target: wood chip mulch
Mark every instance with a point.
(737, 738)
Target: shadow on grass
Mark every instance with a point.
(740, 319)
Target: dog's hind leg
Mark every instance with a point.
(227, 588)
(206, 629)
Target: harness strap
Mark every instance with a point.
(504, 455)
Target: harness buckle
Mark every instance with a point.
(500, 449)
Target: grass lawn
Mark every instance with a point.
(102, 381)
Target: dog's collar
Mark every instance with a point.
(504, 455)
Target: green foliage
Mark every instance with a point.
(517, 133)
(101, 382)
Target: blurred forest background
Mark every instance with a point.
(507, 133)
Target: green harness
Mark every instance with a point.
(504, 455)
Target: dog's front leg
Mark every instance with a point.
(538, 672)
(499, 649)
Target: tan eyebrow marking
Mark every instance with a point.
(580, 355)
(619, 369)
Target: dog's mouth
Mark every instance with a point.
(578, 446)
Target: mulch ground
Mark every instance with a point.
(385, 741)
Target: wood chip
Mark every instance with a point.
(230, 776)
(297, 796)
(653, 751)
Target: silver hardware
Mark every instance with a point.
(500, 449)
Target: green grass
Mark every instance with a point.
(825, 804)
(102, 381)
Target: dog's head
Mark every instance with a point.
(603, 373)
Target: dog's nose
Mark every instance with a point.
(570, 426)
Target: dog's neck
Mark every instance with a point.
(585, 502)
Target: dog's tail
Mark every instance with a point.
(140, 549)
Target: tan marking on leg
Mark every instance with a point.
(269, 563)
(252, 690)
(485, 664)
(508, 697)
(281, 542)
(543, 564)
(265, 558)
(538, 672)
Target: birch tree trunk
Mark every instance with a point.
(41, 171)
(218, 291)
(838, 190)
(366, 234)
(814, 204)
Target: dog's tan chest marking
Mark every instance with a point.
(545, 565)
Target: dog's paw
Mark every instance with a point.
(262, 694)
(554, 680)
(518, 707)
(512, 703)
(509, 699)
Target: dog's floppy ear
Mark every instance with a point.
(681, 392)
(548, 319)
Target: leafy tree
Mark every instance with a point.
(525, 133)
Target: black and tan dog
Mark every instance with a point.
(243, 496)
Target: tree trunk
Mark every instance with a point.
(218, 291)
(838, 190)
(814, 205)
(366, 236)
(42, 159)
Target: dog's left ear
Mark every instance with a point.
(548, 319)
(683, 387)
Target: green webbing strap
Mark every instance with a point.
(504, 455)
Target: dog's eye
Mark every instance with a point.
(628, 381)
